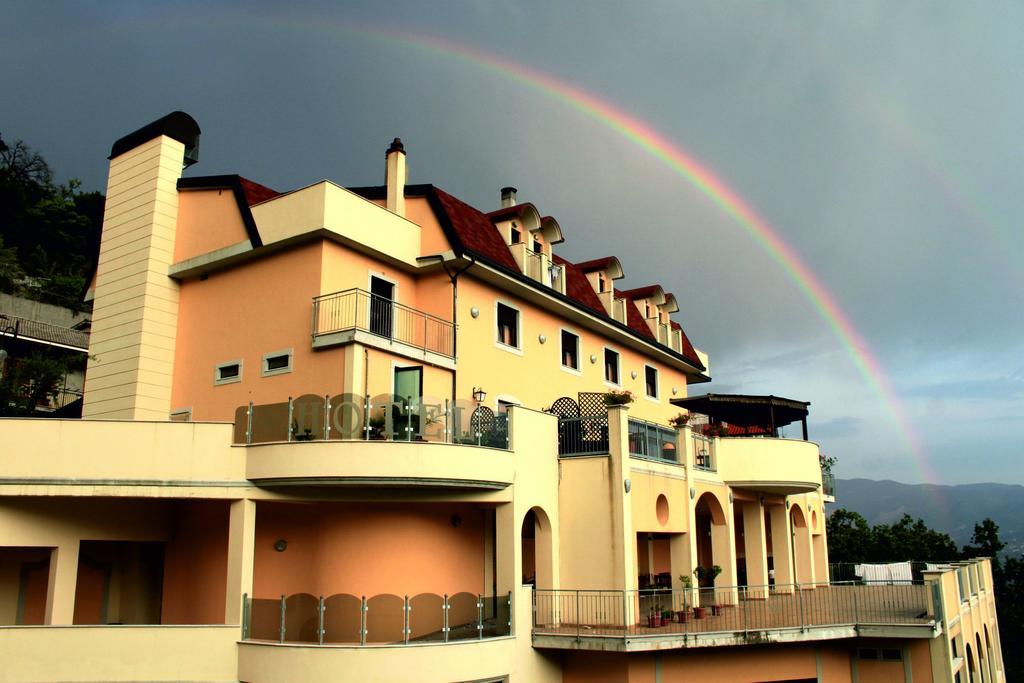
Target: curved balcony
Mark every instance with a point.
(379, 463)
(346, 440)
(772, 465)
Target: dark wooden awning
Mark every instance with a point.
(770, 412)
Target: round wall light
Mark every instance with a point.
(542, 338)
(280, 545)
(475, 312)
(675, 390)
(633, 374)
(593, 359)
(627, 485)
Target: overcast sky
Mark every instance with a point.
(881, 141)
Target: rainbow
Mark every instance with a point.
(679, 161)
(705, 181)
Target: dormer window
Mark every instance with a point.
(537, 246)
(602, 283)
(515, 235)
(647, 309)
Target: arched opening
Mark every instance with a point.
(714, 545)
(802, 557)
(661, 509)
(536, 549)
(972, 672)
(982, 659)
(993, 665)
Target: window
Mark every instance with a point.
(277, 363)
(611, 366)
(515, 236)
(602, 283)
(651, 381)
(508, 326)
(570, 350)
(537, 246)
(227, 373)
(891, 654)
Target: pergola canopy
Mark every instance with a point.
(744, 410)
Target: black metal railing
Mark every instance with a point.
(587, 435)
(357, 309)
(733, 609)
(653, 441)
(379, 620)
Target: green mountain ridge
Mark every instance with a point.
(953, 509)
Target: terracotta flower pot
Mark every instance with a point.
(683, 616)
(700, 612)
(654, 621)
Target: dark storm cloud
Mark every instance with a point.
(877, 138)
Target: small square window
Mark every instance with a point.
(227, 373)
(611, 366)
(892, 654)
(867, 653)
(277, 363)
(508, 326)
(515, 236)
(570, 350)
(651, 381)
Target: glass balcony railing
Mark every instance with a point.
(357, 309)
(379, 620)
(653, 441)
(387, 417)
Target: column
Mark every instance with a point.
(623, 537)
(755, 547)
(241, 555)
(60, 594)
(782, 548)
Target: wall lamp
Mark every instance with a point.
(479, 395)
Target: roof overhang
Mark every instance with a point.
(746, 410)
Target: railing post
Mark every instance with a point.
(282, 626)
(246, 610)
(327, 417)
(366, 418)
(856, 610)
(248, 427)
(447, 419)
(405, 628)
(320, 621)
(291, 413)
(625, 622)
(509, 623)
(362, 621)
(444, 608)
(479, 616)
(800, 600)
(579, 617)
(408, 418)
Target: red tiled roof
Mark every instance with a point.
(639, 292)
(510, 212)
(633, 319)
(475, 231)
(596, 264)
(577, 286)
(256, 193)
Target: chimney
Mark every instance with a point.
(135, 305)
(508, 197)
(395, 175)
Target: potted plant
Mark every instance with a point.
(654, 618)
(377, 423)
(666, 617)
(712, 574)
(680, 420)
(683, 615)
(618, 398)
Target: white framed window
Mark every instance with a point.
(277, 363)
(508, 327)
(611, 366)
(570, 350)
(228, 373)
(651, 382)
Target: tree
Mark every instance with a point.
(31, 381)
(50, 230)
(985, 542)
(849, 536)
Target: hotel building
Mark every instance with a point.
(377, 434)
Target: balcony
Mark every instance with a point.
(386, 440)
(638, 620)
(355, 315)
(652, 441)
(345, 619)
